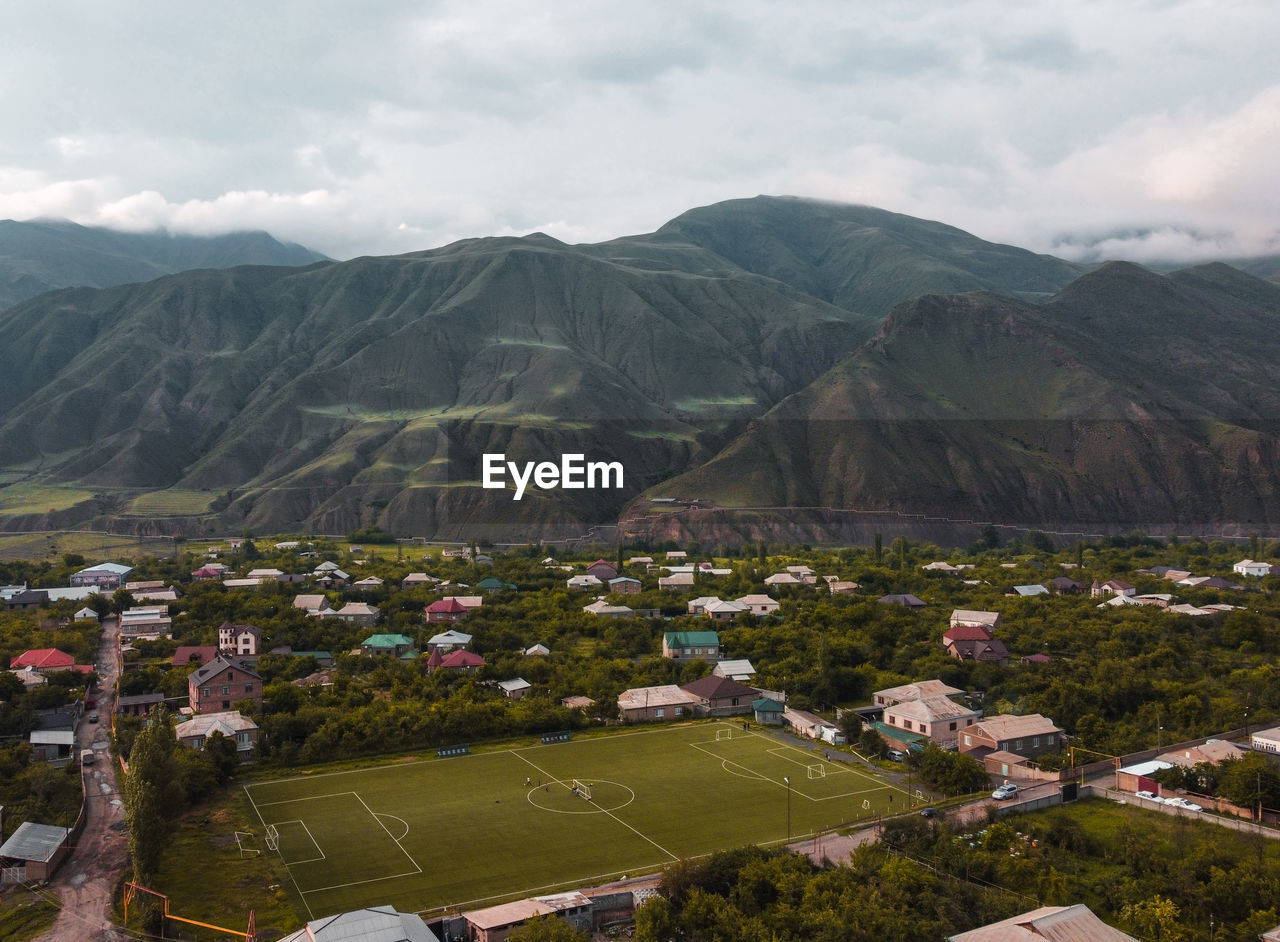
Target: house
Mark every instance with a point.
(193, 733)
(138, 704)
(584, 583)
(1027, 736)
(496, 923)
(199, 653)
(577, 702)
(86, 614)
(812, 726)
(310, 603)
(806, 575)
(696, 606)
(358, 613)
(1029, 591)
(25, 599)
(446, 641)
(416, 580)
(102, 576)
(515, 689)
(605, 610)
(720, 696)
(782, 578)
(625, 585)
(208, 573)
(970, 642)
(917, 691)
(54, 745)
(759, 604)
(722, 610)
(968, 618)
(222, 683)
(44, 660)
(843, 587)
(1266, 740)
(375, 924)
(640, 561)
(664, 702)
(153, 592)
(368, 583)
(36, 850)
(938, 718)
(145, 622)
(239, 640)
(446, 610)
(691, 645)
(739, 670)
(905, 599)
(492, 585)
(1058, 923)
(459, 660)
(1249, 567)
(395, 645)
(677, 580)
(767, 711)
(1211, 751)
(1065, 586)
(1137, 777)
(603, 570)
(1111, 587)
(940, 566)
(537, 650)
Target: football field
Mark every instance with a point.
(469, 830)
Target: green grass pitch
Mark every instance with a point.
(468, 831)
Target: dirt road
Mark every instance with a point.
(85, 882)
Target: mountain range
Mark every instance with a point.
(770, 359)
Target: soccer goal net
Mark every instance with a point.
(724, 734)
(272, 838)
(818, 771)
(582, 789)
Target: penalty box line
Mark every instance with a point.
(641, 834)
(310, 837)
(777, 753)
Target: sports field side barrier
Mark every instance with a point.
(563, 736)
(445, 752)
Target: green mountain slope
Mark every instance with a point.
(42, 255)
(1130, 397)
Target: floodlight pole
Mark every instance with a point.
(788, 783)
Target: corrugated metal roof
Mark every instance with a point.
(36, 842)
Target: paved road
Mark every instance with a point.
(86, 880)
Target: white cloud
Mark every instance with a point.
(1082, 127)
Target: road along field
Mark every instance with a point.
(466, 831)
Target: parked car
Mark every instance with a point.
(1150, 796)
(1007, 790)
(93, 717)
(896, 755)
(929, 812)
(1183, 803)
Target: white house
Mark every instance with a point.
(1249, 567)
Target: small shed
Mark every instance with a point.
(36, 848)
(768, 712)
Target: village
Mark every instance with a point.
(289, 654)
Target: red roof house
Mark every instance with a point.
(461, 660)
(43, 659)
(446, 610)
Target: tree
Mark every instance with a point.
(1156, 918)
(153, 794)
(872, 743)
(548, 929)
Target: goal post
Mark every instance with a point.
(272, 838)
(582, 789)
(817, 770)
(724, 734)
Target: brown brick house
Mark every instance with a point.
(222, 683)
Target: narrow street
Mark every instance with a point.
(86, 880)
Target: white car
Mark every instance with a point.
(1007, 790)
(1184, 804)
(1150, 796)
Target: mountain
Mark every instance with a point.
(771, 352)
(42, 255)
(1128, 398)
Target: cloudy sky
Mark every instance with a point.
(1137, 129)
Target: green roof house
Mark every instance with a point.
(401, 646)
(691, 645)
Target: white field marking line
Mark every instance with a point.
(609, 813)
(381, 814)
(343, 886)
(389, 834)
(294, 880)
(310, 836)
(831, 767)
(289, 801)
(725, 763)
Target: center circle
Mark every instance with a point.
(558, 796)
